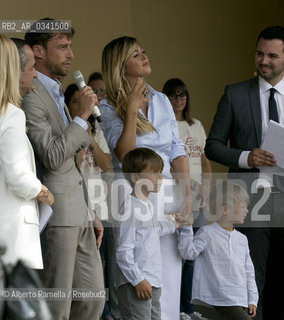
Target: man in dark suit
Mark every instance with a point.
(72, 259)
(241, 119)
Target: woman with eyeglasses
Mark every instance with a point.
(96, 82)
(136, 115)
(193, 135)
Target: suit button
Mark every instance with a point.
(80, 183)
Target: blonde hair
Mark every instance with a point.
(114, 58)
(9, 74)
(227, 193)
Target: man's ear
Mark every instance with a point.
(134, 177)
(39, 51)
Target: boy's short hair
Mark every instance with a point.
(138, 159)
(227, 193)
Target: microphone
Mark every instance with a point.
(80, 82)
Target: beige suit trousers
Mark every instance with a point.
(63, 269)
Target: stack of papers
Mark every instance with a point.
(273, 142)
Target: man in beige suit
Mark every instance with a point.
(73, 235)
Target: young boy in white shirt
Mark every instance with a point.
(138, 239)
(223, 277)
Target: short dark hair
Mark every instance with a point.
(272, 32)
(68, 93)
(42, 39)
(20, 44)
(138, 159)
(95, 76)
(171, 87)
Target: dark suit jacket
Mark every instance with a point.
(55, 146)
(237, 121)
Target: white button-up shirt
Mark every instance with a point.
(138, 252)
(223, 270)
(164, 139)
(264, 93)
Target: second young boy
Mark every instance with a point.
(223, 280)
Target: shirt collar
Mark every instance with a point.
(148, 204)
(50, 84)
(151, 90)
(265, 86)
(145, 203)
(222, 230)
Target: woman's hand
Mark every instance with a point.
(203, 195)
(45, 196)
(137, 98)
(172, 218)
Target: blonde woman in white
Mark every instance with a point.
(136, 115)
(20, 190)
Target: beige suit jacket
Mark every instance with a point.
(56, 145)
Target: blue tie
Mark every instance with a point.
(273, 114)
(278, 181)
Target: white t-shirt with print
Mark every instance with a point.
(92, 175)
(194, 139)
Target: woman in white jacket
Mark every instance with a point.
(19, 187)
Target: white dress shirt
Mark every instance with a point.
(138, 253)
(223, 270)
(164, 139)
(264, 93)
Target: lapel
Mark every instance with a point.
(67, 113)
(48, 101)
(255, 108)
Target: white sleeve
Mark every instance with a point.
(166, 227)
(125, 245)
(15, 156)
(112, 125)
(189, 245)
(243, 160)
(251, 284)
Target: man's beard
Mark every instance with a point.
(270, 76)
(56, 69)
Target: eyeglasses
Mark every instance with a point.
(101, 92)
(182, 96)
